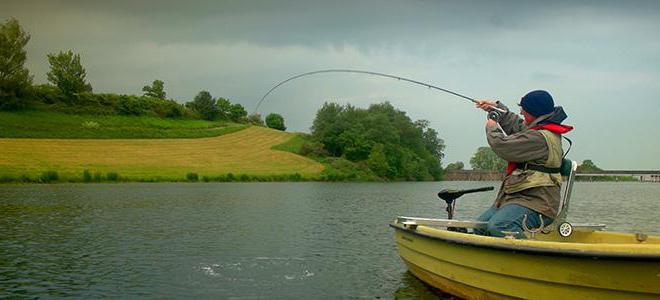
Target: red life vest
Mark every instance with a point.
(552, 127)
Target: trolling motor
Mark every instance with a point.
(450, 195)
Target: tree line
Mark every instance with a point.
(485, 159)
(70, 91)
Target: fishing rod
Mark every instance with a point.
(494, 114)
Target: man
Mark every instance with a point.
(532, 146)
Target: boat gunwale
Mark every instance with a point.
(537, 251)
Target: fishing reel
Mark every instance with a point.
(494, 115)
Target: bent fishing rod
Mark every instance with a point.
(430, 86)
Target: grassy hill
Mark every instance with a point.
(241, 154)
(47, 124)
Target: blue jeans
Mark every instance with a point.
(509, 218)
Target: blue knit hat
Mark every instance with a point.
(538, 103)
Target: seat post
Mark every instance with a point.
(566, 195)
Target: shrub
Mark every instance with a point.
(230, 177)
(47, 93)
(98, 177)
(244, 177)
(7, 178)
(87, 176)
(295, 177)
(314, 149)
(90, 125)
(49, 176)
(275, 121)
(131, 105)
(112, 176)
(255, 119)
(192, 177)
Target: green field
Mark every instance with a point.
(45, 124)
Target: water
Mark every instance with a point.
(244, 240)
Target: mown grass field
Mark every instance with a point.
(247, 151)
(47, 124)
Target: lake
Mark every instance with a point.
(245, 240)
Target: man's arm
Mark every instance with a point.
(510, 122)
(527, 145)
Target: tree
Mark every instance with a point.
(455, 166)
(156, 90)
(205, 105)
(328, 125)
(224, 108)
(15, 79)
(275, 121)
(588, 166)
(67, 73)
(237, 113)
(486, 159)
(377, 160)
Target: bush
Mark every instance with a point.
(275, 121)
(295, 177)
(87, 176)
(112, 176)
(255, 119)
(7, 178)
(47, 93)
(314, 149)
(131, 105)
(192, 177)
(49, 176)
(98, 177)
(90, 125)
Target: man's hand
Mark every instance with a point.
(490, 123)
(486, 105)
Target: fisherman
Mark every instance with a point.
(532, 146)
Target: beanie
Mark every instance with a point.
(538, 103)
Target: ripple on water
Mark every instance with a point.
(263, 270)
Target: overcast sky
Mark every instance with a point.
(599, 59)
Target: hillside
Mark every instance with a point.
(243, 153)
(49, 124)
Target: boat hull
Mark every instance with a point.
(461, 264)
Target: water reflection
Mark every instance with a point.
(414, 289)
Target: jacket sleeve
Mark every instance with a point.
(510, 122)
(523, 146)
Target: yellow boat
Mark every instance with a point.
(558, 261)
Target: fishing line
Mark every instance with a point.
(368, 73)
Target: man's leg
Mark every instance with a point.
(485, 217)
(510, 218)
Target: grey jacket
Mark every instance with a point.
(519, 144)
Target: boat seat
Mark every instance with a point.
(568, 168)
